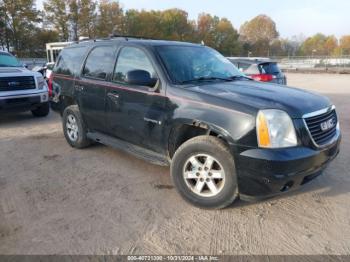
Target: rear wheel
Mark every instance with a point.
(203, 172)
(74, 127)
(42, 110)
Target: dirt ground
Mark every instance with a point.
(58, 200)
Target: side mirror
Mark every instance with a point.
(140, 78)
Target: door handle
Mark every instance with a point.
(79, 87)
(113, 95)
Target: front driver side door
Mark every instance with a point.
(136, 113)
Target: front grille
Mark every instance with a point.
(314, 124)
(17, 83)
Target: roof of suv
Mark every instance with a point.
(142, 41)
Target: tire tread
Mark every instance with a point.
(219, 145)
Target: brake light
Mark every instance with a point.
(49, 84)
(263, 77)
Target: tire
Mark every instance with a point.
(74, 128)
(192, 158)
(41, 111)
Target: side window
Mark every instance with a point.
(252, 70)
(70, 60)
(132, 58)
(99, 62)
(243, 66)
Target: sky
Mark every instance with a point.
(293, 17)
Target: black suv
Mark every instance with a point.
(186, 105)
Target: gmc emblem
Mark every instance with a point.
(327, 124)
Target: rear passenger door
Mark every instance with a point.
(91, 86)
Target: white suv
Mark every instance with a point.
(21, 89)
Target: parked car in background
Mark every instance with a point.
(185, 105)
(41, 68)
(260, 69)
(20, 88)
(49, 68)
(44, 69)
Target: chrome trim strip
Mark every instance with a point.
(319, 112)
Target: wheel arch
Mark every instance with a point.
(66, 101)
(186, 129)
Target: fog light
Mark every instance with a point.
(287, 186)
(44, 98)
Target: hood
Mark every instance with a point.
(17, 71)
(296, 102)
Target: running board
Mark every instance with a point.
(137, 151)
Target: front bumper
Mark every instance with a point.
(267, 172)
(23, 102)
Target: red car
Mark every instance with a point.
(260, 69)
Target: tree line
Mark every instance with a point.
(25, 30)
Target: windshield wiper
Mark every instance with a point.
(239, 77)
(202, 79)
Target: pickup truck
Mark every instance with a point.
(21, 89)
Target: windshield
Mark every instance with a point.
(8, 60)
(188, 63)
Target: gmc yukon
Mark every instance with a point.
(223, 134)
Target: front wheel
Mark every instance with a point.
(204, 174)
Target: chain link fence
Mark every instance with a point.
(32, 62)
(330, 64)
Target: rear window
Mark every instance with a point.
(70, 60)
(269, 68)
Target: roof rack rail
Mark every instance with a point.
(111, 36)
(83, 40)
(129, 36)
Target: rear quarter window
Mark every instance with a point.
(252, 69)
(70, 60)
(243, 66)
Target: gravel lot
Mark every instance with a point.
(58, 200)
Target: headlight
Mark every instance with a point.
(275, 129)
(41, 82)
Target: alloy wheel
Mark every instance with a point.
(72, 128)
(204, 175)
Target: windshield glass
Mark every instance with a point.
(187, 63)
(8, 60)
